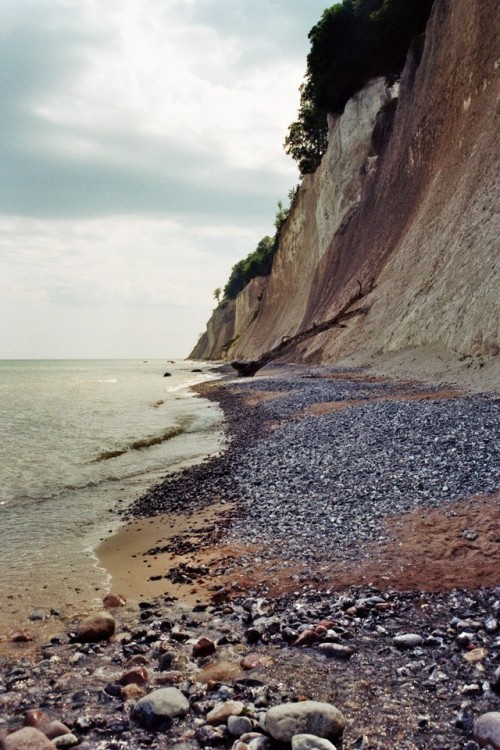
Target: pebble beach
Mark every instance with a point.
(331, 579)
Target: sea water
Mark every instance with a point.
(78, 440)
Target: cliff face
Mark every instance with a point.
(213, 344)
(406, 197)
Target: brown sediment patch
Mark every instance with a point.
(362, 377)
(330, 407)
(455, 546)
(254, 398)
(149, 557)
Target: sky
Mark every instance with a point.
(141, 157)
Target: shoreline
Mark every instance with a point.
(254, 560)
(47, 610)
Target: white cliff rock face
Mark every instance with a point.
(248, 303)
(410, 204)
(339, 178)
(324, 201)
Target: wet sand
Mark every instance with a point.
(140, 555)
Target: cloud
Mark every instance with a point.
(141, 157)
(120, 105)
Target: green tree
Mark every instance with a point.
(354, 40)
(217, 294)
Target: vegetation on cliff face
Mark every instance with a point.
(257, 263)
(355, 40)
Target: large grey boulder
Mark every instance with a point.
(307, 717)
(160, 706)
(487, 730)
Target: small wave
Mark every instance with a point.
(139, 445)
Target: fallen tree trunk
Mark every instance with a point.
(249, 368)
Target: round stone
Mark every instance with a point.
(160, 706)
(408, 640)
(238, 725)
(487, 730)
(96, 627)
(27, 738)
(306, 717)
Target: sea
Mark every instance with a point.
(80, 439)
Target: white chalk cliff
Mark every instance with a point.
(405, 198)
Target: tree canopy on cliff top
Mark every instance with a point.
(355, 40)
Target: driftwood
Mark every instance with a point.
(249, 368)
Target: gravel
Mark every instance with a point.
(317, 482)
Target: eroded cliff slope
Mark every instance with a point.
(406, 198)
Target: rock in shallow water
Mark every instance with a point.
(307, 717)
(159, 706)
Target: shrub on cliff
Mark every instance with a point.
(257, 263)
(355, 40)
(260, 261)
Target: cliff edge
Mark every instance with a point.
(406, 200)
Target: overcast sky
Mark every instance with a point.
(141, 157)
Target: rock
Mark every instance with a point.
(27, 738)
(170, 678)
(131, 692)
(495, 681)
(222, 711)
(307, 717)
(238, 725)
(166, 660)
(35, 717)
(139, 660)
(311, 742)
(408, 640)
(99, 626)
(253, 741)
(111, 601)
(476, 655)
(167, 374)
(21, 636)
(253, 661)
(336, 650)
(160, 706)
(203, 647)
(55, 729)
(487, 730)
(306, 638)
(207, 735)
(260, 743)
(66, 740)
(135, 675)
